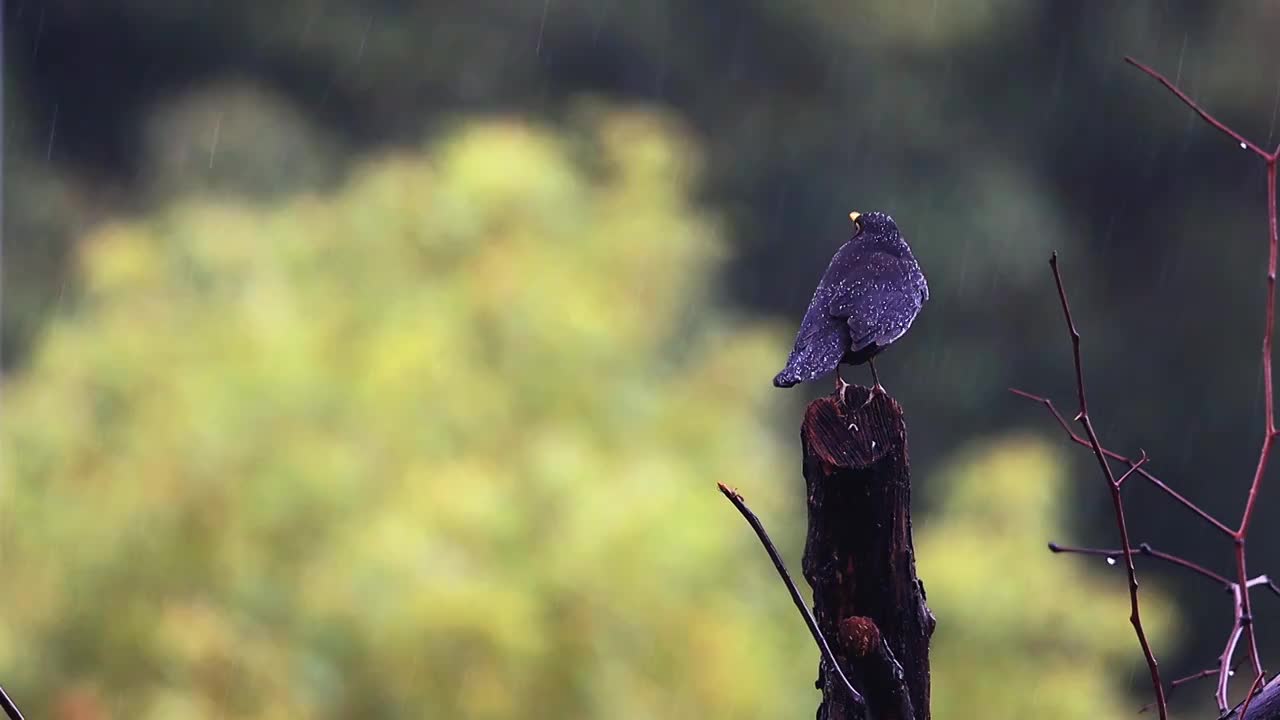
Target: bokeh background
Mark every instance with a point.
(379, 358)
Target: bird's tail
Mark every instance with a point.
(786, 378)
(815, 355)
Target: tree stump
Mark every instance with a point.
(859, 557)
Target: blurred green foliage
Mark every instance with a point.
(43, 213)
(234, 138)
(994, 130)
(444, 442)
(1023, 633)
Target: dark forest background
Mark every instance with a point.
(994, 131)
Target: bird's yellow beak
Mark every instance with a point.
(853, 216)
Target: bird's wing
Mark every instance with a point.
(880, 301)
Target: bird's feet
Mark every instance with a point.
(876, 389)
(841, 387)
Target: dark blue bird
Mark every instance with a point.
(871, 292)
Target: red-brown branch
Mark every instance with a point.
(1199, 110)
(1192, 678)
(1237, 627)
(1145, 549)
(1248, 697)
(1242, 625)
(1143, 472)
(1117, 501)
(1240, 535)
(1173, 686)
(1269, 424)
(1142, 460)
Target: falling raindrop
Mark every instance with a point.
(1111, 561)
(53, 132)
(213, 146)
(364, 40)
(1177, 77)
(542, 27)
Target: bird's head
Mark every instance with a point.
(873, 223)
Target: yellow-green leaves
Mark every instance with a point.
(442, 443)
(1022, 632)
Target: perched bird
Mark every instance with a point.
(871, 292)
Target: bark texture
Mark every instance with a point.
(859, 557)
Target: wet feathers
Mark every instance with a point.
(868, 297)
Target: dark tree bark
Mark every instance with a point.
(859, 557)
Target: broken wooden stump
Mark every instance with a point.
(859, 557)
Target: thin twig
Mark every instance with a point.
(796, 597)
(1237, 627)
(1145, 549)
(1196, 107)
(1117, 502)
(10, 708)
(1193, 677)
(1269, 430)
(1240, 534)
(1228, 653)
(1173, 686)
(1266, 582)
(1248, 697)
(1243, 624)
(1147, 475)
(1133, 468)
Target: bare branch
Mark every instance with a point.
(1133, 468)
(1266, 582)
(1117, 502)
(10, 708)
(1199, 110)
(1269, 425)
(735, 498)
(1248, 697)
(1269, 429)
(1145, 549)
(1242, 624)
(1232, 640)
(1157, 482)
(1173, 686)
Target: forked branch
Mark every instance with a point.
(1117, 500)
(1243, 622)
(1240, 534)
